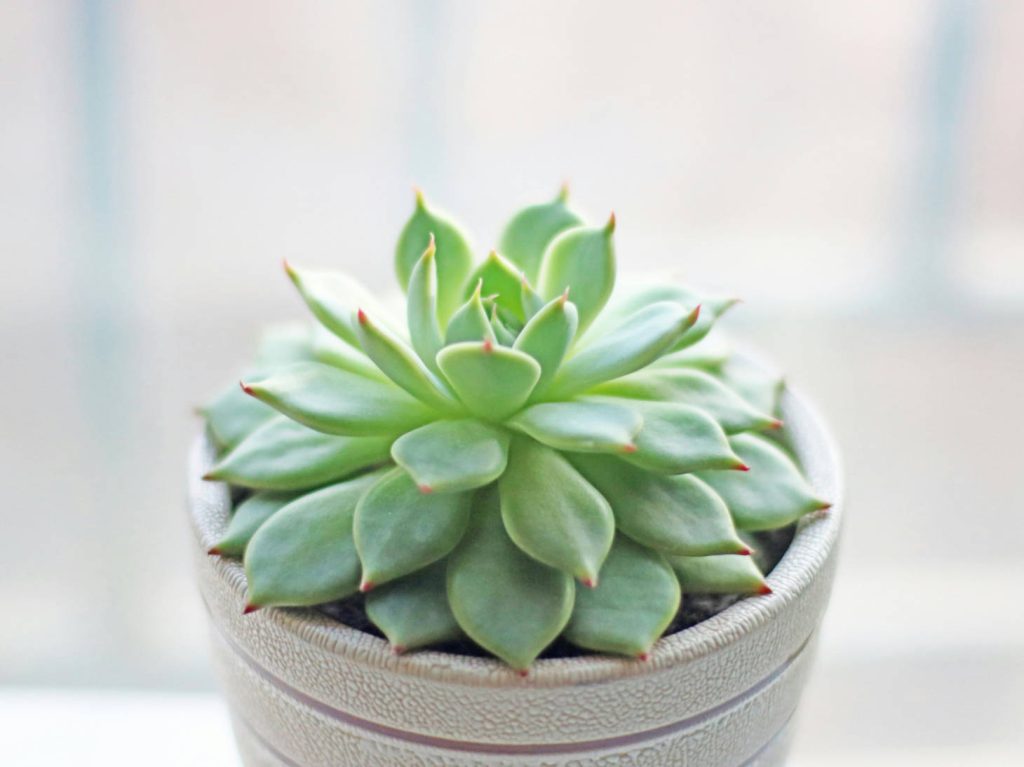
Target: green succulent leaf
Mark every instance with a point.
(315, 530)
(709, 356)
(552, 513)
(502, 332)
(691, 387)
(547, 337)
(711, 311)
(772, 494)
(636, 600)
(531, 300)
(333, 298)
(454, 254)
(284, 344)
(507, 602)
(232, 416)
(583, 260)
(413, 611)
(284, 455)
(470, 322)
(759, 386)
(450, 456)
(331, 350)
(640, 340)
(532, 229)
(500, 278)
(399, 363)
(674, 514)
(723, 574)
(421, 308)
(583, 425)
(492, 381)
(400, 529)
(678, 439)
(337, 401)
(247, 519)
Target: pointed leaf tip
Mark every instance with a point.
(610, 226)
(366, 586)
(213, 551)
(563, 192)
(288, 269)
(643, 657)
(246, 388)
(776, 424)
(361, 316)
(746, 551)
(629, 448)
(487, 346)
(523, 672)
(825, 506)
(420, 200)
(250, 608)
(426, 489)
(741, 467)
(765, 590)
(590, 583)
(397, 649)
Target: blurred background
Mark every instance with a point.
(854, 170)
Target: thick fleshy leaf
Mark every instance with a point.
(722, 574)
(500, 278)
(772, 494)
(636, 600)
(528, 234)
(470, 322)
(285, 455)
(333, 298)
(640, 340)
(450, 456)
(332, 350)
(399, 529)
(678, 439)
(757, 384)
(413, 611)
(304, 554)
(339, 402)
(583, 425)
(674, 514)
(502, 332)
(583, 260)
(399, 363)
(547, 337)
(709, 356)
(629, 298)
(247, 519)
(507, 602)
(492, 381)
(454, 254)
(552, 513)
(711, 311)
(421, 308)
(232, 416)
(531, 300)
(691, 387)
(284, 344)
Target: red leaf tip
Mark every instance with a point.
(765, 589)
(366, 586)
(213, 551)
(426, 489)
(287, 268)
(361, 316)
(776, 424)
(629, 448)
(250, 608)
(397, 649)
(746, 551)
(643, 657)
(694, 316)
(523, 672)
(825, 506)
(590, 583)
(564, 298)
(610, 226)
(245, 387)
(488, 346)
(741, 467)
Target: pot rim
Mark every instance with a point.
(810, 549)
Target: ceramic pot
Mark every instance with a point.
(307, 691)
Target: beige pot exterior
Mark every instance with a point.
(306, 691)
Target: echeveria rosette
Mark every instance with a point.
(526, 456)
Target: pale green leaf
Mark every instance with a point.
(757, 384)
(502, 332)
(470, 322)
(583, 425)
(449, 456)
(399, 529)
(492, 381)
(247, 519)
(333, 298)
(413, 611)
(332, 350)
(507, 602)
(583, 260)
(674, 514)
(528, 234)
(552, 513)
(501, 279)
(634, 603)
(547, 337)
(232, 416)
(421, 309)
(772, 494)
(531, 300)
(722, 574)
(285, 455)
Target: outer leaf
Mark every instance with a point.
(284, 344)
(634, 345)
(454, 254)
(582, 259)
(304, 554)
(503, 280)
(547, 337)
(232, 416)
(674, 514)
(413, 612)
(552, 513)
(450, 456)
(247, 519)
(285, 455)
(333, 298)
(339, 402)
(677, 439)
(723, 574)
(398, 362)
(632, 605)
(709, 356)
(691, 387)
(470, 322)
(528, 234)
(331, 350)
(507, 602)
(421, 308)
(492, 381)
(399, 529)
(772, 494)
(586, 426)
(760, 387)
(630, 298)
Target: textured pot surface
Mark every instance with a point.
(305, 690)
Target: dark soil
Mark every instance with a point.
(769, 547)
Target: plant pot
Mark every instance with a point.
(306, 690)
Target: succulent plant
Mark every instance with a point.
(526, 456)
